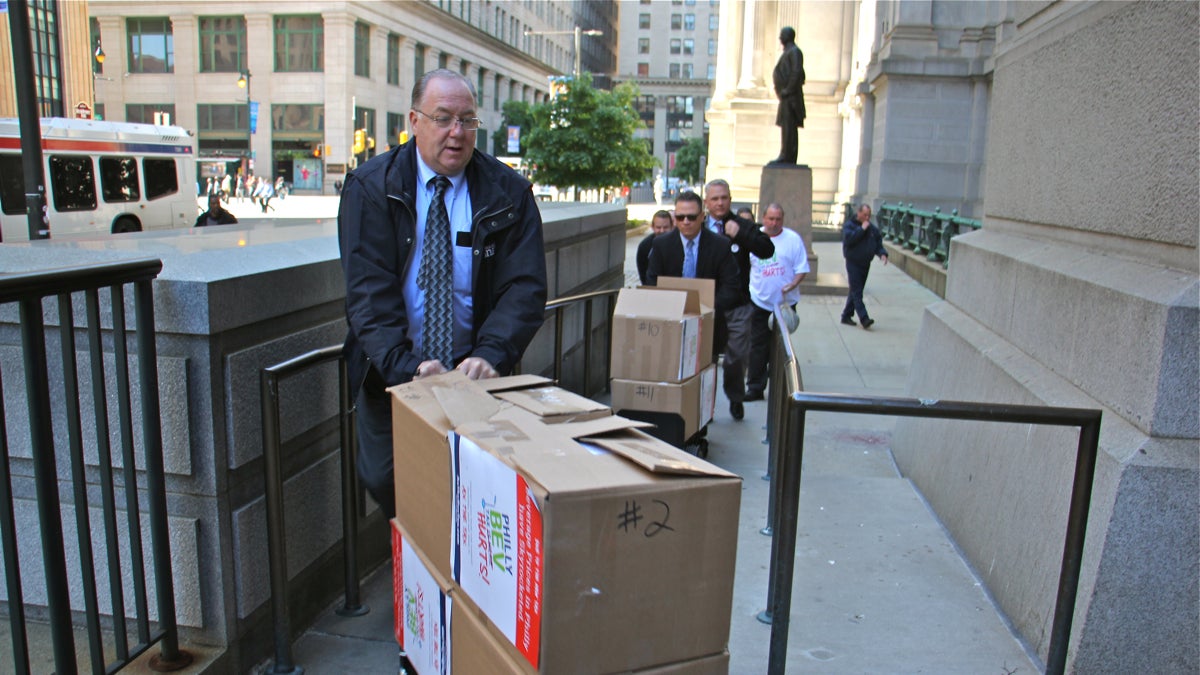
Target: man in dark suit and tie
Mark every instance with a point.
(696, 252)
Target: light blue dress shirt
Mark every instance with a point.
(458, 207)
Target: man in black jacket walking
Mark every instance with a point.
(861, 241)
(733, 324)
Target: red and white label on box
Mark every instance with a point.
(421, 610)
(498, 554)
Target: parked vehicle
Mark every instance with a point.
(101, 177)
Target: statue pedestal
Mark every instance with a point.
(790, 186)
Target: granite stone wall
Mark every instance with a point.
(229, 302)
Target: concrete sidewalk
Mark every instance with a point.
(879, 587)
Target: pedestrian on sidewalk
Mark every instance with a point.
(774, 280)
(745, 237)
(660, 223)
(861, 241)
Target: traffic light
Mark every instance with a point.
(316, 150)
(371, 142)
(360, 141)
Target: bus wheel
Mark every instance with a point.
(126, 224)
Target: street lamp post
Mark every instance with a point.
(244, 83)
(578, 33)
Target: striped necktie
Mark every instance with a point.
(436, 278)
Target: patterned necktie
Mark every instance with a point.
(436, 278)
(689, 260)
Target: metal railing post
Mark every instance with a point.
(276, 546)
(170, 657)
(351, 605)
(783, 544)
(1068, 580)
(45, 471)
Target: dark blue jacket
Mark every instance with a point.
(859, 245)
(376, 232)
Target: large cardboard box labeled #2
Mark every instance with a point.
(593, 553)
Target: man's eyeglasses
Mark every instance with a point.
(687, 216)
(447, 121)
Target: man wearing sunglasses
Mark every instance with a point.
(442, 251)
(696, 252)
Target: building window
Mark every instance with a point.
(143, 113)
(712, 71)
(643, 45)
(689, 22)
(676, 21)
(298, 118)
(47, 66)
(712, 47)
(674, 71)
(395, 122)
(222, 44)
(299, 44)
(496, 98)
(643, 70)
(393, 59)
(712, 21)
(151, 45)
(689, 46)
(675, 45)
(687, 71)
(444, 59)
(222, 118)
(643, 20)
(419, 63)
(362, 49)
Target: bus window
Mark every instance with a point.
(119, 179)
(12, 185)
(161, 178)
(72, 183)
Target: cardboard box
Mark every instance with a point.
(593, 552)
(437, 634)
(694, 399)
(423, 412)
(555, 404)
(707, 288)
(660, 334)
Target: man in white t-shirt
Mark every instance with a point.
(773, 281)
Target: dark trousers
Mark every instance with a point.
(760, 350)
(789, 143)
(856, 274)
(737, 349)
(373, 421)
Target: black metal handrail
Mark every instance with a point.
(29, 290)
(269, 380)
(559, 306)
(792, 405)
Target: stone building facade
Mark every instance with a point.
(1071, 130)
(319, 71)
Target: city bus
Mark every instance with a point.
(101, 177)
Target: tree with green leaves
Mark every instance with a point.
(515, 114)
(687, 160)
(584, 138)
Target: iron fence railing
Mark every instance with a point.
(113, 481)
(924, 232)
(789, 406)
